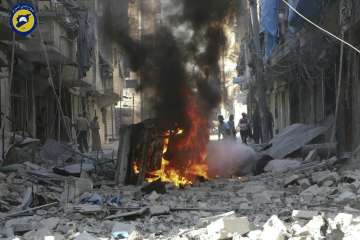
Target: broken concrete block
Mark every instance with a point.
(227, 227)
(342, 221)
(283, 165)
(345, 197)
(67, 227)
(262, 198)
(50, 223)
(21, 229)
(304, 183)
(135, 235)
(291, 180)
(315, 228)
(313, 156)
(153, 196)
(42, 234)
(159, 210)
(87, 208)
(75, 187)
(254, 235)
(122, 230)
(309, 193)
(84, 236)
(274, 229)
(301, 214)
(208, 220)
(321, 177)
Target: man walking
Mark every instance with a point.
(224, 129)
(95, 135)
(231, 124)
(244, 128)
(82, 129)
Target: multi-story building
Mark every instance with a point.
(305, 68)
(71, 68)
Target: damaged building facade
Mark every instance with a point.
(65, 68)
(308, 73)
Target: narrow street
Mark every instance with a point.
(180, 120)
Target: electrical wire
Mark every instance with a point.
(51, 81)
(322, 29)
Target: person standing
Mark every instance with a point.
(257, 135)
(41, 125)
(82, 129)
(95, 135)
(270, 124)
(244, 128)
(224, 129)
(231, 124)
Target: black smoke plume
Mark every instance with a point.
(163, 60)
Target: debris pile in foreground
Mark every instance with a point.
(306, 200)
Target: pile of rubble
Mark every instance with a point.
(309, 200)
(58, 193)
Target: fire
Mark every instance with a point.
(136, 168)
(188, 148)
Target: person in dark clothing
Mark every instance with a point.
(257, 136)
(224, 129)
(41, 125)
(82, 129)
(231, 124)
(270, 124)
(244, 128)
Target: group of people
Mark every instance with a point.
(82, 127)
(228, 130)
(246, 128)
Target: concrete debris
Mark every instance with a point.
(227, 227)
(159, 210)
(274, 229)
(313, 156)
(84, 236)
(282, 165)
(298, 214)
(122, 230)
(294, 200)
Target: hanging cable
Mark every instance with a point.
(322, 29)
(51, 82)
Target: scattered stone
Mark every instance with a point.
(313, 156)
(321, 177)
(227, 227)
(309, 193)
(345, 197)
(274, 229)
(153, 196)
(84, 236)
(291, 180)
(50, 223)
(284, 165)
(122, 230)
(304, 183)
(135, 235)
(159, 210)
(307, 215)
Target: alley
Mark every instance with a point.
(179, 119)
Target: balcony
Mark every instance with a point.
(60, 49)
(70, 77)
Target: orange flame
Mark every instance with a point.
(190, 150)
(136, 168)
